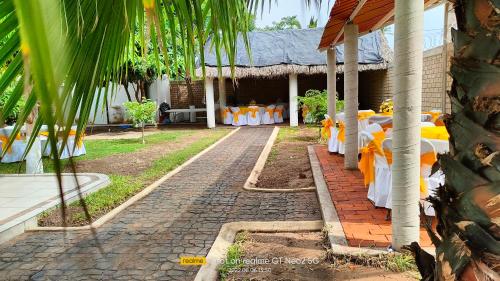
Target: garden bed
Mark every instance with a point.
(288, 163)
(130, 165)
(303, 256)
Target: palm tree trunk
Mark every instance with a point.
(408, 48)
(467, 205)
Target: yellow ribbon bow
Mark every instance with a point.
(341, 134)
(437, 133)
(327, 123)
(79, 143)
(5, 139)
(253, 112)
(426, 159)
(225, 112)
(270, 111)
(279, 111)
(367, 163)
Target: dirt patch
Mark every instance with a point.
(300, 256)
(288, 163)
(135, 163)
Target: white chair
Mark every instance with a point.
(432, 181)
(227, 116)
(268, 116)
(332, 141)
(384, 121)
(239, 117)
(253, 116)
(17, 148)
(341, 144)
(425, 117)
(72, 148)
(278, 114)
(377, 190)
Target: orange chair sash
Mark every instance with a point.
(270, 111)
(341, 134)
(79, 143)
(225, 112)
(326, 132)
(279, 111)
(367, 163)
(365, 115)
(5, 140)
(253, 112)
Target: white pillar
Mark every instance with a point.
(192, 114)
(209, 95)
(293, 93)
(331, 81)
(408, 48)
(351, 95)
(222, 92)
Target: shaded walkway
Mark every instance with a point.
(363, 224)
(182, 217)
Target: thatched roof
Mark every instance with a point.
(279, 53)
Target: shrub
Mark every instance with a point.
(317, 103)
(141, 113)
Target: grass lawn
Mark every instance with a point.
(123, 187)
(97, 149)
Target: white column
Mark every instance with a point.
(222, 92)
(331, 81)
(408, 48)
(351, 95)
(192, 114)
(209, 95)
(293, 93)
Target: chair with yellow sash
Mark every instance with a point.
(268, 116)
(15, 152)
(384, 120)
(227, 116)
(372, 162)
(428, 183)
(329, 132)
(340, 133)
(73, 147)
(253, 115)
(278, 114)
(239, 116)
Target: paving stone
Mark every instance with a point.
(182, 216)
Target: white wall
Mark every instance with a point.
(159, 91)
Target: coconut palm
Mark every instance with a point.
(467, 206)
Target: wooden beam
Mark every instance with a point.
(356, 10)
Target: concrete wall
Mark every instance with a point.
(159, 91)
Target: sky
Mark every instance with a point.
(433, 19)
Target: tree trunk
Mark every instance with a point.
(408, 48)
(125, 85)
(467, 206)
(189, 86)
(143, 125)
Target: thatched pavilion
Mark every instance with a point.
(285, 64)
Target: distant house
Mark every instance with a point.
(276, 55)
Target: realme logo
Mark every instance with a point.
(193, 260)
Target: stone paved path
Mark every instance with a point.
(181, 217)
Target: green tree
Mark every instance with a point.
(290, 22)
(141, 113)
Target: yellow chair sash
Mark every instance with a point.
(270, 111)
(326, 132)
(243, 110)
(434, 114)
(79, 144)
(367, 163)
(279, 111)
(225, 112)
(5, 139)
(438, 133)
(365, 115)
(253, 112)
(426, 159)
(341, 134)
